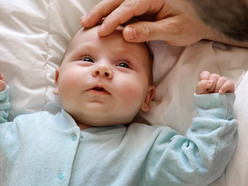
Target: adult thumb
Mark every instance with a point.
(141, 31)
(166, 30)
(172, 30)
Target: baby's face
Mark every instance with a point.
(104, 80)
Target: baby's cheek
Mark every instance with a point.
(67, 86)
(133, 97)
(68, 81)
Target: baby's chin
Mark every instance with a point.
(102, 122)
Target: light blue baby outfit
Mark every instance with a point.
(42, 149)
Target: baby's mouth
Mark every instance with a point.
(98, 90)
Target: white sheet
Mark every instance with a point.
(34, 35)
(176, 72)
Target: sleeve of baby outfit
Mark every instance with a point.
(4, 113)
(4, 105)
(201, 156)
(4, 125)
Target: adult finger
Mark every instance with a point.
(127, 10)
(119, 16)
(172, 30)
(100, 10)
(164, 30)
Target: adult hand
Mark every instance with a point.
(169, 24)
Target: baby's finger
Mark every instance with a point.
(2, 82)
(203, 86)
(227, 87)
(204, 75)
(220, 83)
(214, 78)
(1, 76)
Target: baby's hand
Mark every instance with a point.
(213, 83)
(2, 82)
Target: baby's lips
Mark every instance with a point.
(99, 89)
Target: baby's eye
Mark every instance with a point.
(124, 65)
(87, 59)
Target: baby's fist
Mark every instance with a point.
(2, 82)
(213, 83)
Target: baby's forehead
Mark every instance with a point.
(84, 36)
(89, 35)
(87, 30)
(92, 33)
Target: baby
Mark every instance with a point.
(103, 83)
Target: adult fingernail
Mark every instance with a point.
(83, 18)
(130, 33)
(101, 28)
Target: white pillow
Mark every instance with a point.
(34, 35)
(33, 38)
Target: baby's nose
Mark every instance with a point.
(103, 71)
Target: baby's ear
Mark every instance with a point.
(56, 79)
(149, 96)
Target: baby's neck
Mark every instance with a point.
(83, 126)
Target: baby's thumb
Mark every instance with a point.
(141, 31)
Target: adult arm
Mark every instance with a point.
(169, 24)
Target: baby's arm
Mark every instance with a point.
(201, 156)
(213, 83)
